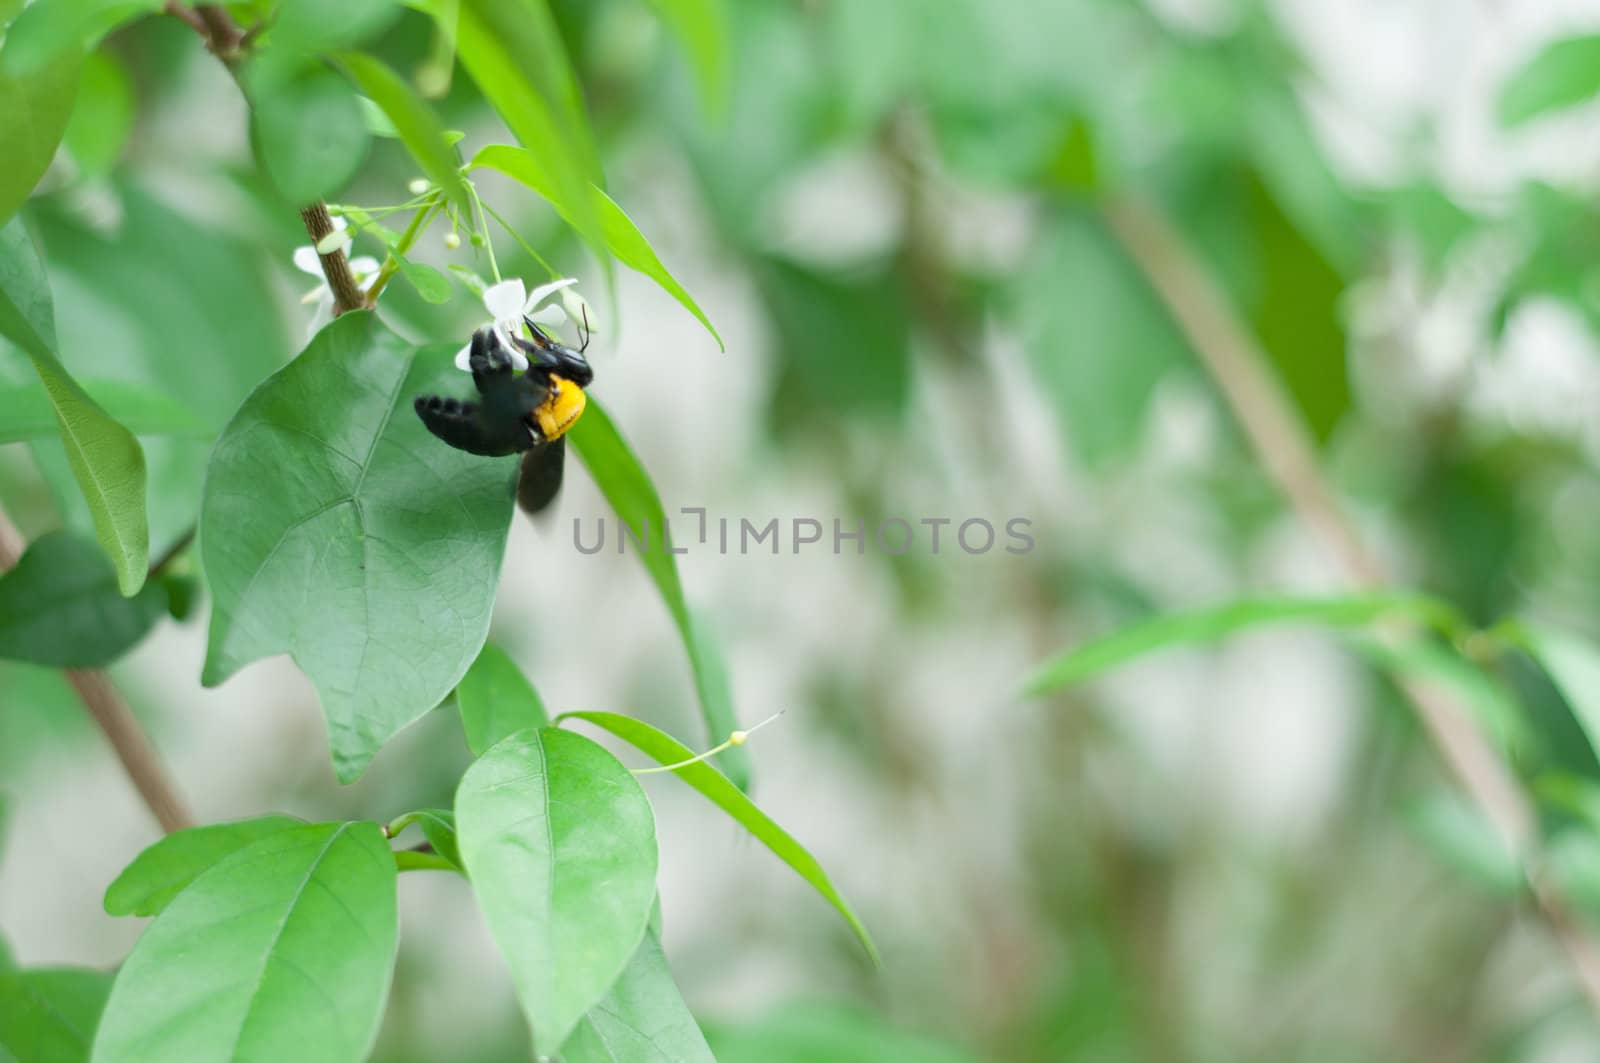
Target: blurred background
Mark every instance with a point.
(898, 219)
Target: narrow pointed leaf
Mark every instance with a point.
(165, 870)
(496, 699)
(622, 237)
(560, 844)
(701, 27)
(104, 457)
(418, 128)
(336, 529)
(1216, 622)
(439, 827)
(717, 788)
(1562, 74)
(284, 950)
(26, 411)
(642, 1020)
(626, 485)
(1573, 664)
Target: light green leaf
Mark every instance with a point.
(622, 238)
(716, 787)
(1460, 836)
(642, 1020)
(307, 127)
(496, 699)
(433, 286)
(60, 606)
(1492, 707)
(1573, 664)
(1564, 73)
(49, 1015)
(26, 412)
(627, 487)
(560, 844)
(1216, 622)
(335, 528)
(166, 868)
(284, 950)
(417, 126)
(103, 116)
(701, 26)
(439, 827)
(52, 30)
(34, 108)
(319, 27)
(104, 456)
(514, 53)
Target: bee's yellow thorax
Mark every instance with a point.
(560, 409)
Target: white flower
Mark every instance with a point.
(508, 303)
(365, 268)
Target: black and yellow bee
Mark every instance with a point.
(524, 413)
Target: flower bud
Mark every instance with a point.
(337, 240)
(417, 186)
(452, 241)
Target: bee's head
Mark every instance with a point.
(544, 351)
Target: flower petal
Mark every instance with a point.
(549, 315)
(306, 260)
(320, 316)
(541, 293)
(464, 359)
(363, 264)
(504, 300)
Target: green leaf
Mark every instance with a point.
(34, 108)
(1573, 664)
(514, 53)
(53, 30)
(622, 237)
(496, 699)
(642, 1020)
(1564, 73)
(283, 950)
(104, 456)
(433, 286)
(628, 488)
(335, 528)
(806, 1031)
(26, 412)
(560, 844)
(49, 1016)
(166, 868)
(418, 128)
(716, 697)
(103, 115)
(716, 787)
(319, 27)
(60, 606)
(1216, 622)
(439, 827)
(701, 26)
(1496, 712)
(307, 127)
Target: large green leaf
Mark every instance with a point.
(103, 115)
(60, 606)
(309, 132)
(104, 456)
(34, 108)
(166, 868)
(626, 485)
(283, 950)
(26, 411)
(49, 1015)
(514, 53)
(1564, 73)
(1216, 622)
(622, 237)
(418, 128)
(642, 1020)
(496, 699)
(560, 844)
(335, 528)
(716, 787)
(48, 31)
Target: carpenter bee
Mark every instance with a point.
(525, 413)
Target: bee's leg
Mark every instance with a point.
(489, 360)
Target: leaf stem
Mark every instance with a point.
(737, 738)
(391, 265)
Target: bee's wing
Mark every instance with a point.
(540, 479)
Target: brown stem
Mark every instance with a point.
(1239, 367)
(115, 720)
(347, 294)
(215, 26)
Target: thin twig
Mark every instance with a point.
(1237, 364)
(347, 294)
(115, 720)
